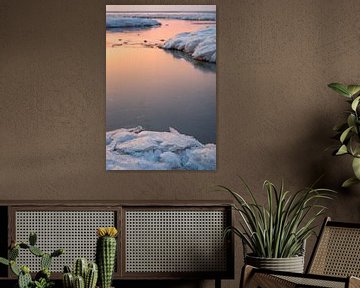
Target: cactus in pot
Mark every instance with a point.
(85, 275)
(25, 279)
(91, 276)
(42, 278)
(68, 278)
(79, 282)
(80, 269)
(106, 254)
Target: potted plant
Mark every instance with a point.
(348, 132)
(84, 274)
(276, 233)
(42, 278)
(106, 254)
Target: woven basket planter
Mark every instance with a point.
(291, 264)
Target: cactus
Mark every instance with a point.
(24, 245)
(36, 251)
(91, 276)
(79, 282)
(90, 272)
(80, 268)
(68, 280)
(32, 238)
(13, 253)
(24, 280)
(45, 261)
(42, 278)
(44, 273)
(24, 277)
(57, 253)
(14, 268)
(67, 269)
(4, 261)
(106, 254)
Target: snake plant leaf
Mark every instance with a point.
(342, 150)
(278, 228)
(340, 88)
(353, 89)
(349, 182)
(356, 167)
(355, 103)
(345, 134)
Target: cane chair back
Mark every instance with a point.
(335, 262)
(337, 252)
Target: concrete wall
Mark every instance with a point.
(275, 113)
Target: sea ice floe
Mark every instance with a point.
(201, 44)
(200, 16)
(136, 149)
(118, 21)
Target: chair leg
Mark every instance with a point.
(217, 283)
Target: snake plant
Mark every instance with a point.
(348, 133)
(279, 228)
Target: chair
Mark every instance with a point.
(335, 262)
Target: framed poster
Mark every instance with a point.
(160, 87)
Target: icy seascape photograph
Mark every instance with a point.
(161, 87)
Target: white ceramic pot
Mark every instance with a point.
(291, 264)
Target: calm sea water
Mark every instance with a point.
(158, 89)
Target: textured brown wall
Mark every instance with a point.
(275, 113)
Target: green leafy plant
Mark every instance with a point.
(43, 283)
(42, 278)
(348, 133)
(279, 229)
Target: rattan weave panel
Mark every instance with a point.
(338, 253)
(75, 231)
(175, 241)
(304, 282)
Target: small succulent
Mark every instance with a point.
(43, 283)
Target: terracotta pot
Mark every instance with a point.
(291, 264)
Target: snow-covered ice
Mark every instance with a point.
(117, 21)
(137, 149)
(201, 44)
(197, 16)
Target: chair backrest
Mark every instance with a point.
(337, 251)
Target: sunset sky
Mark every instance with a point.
(161, 8)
